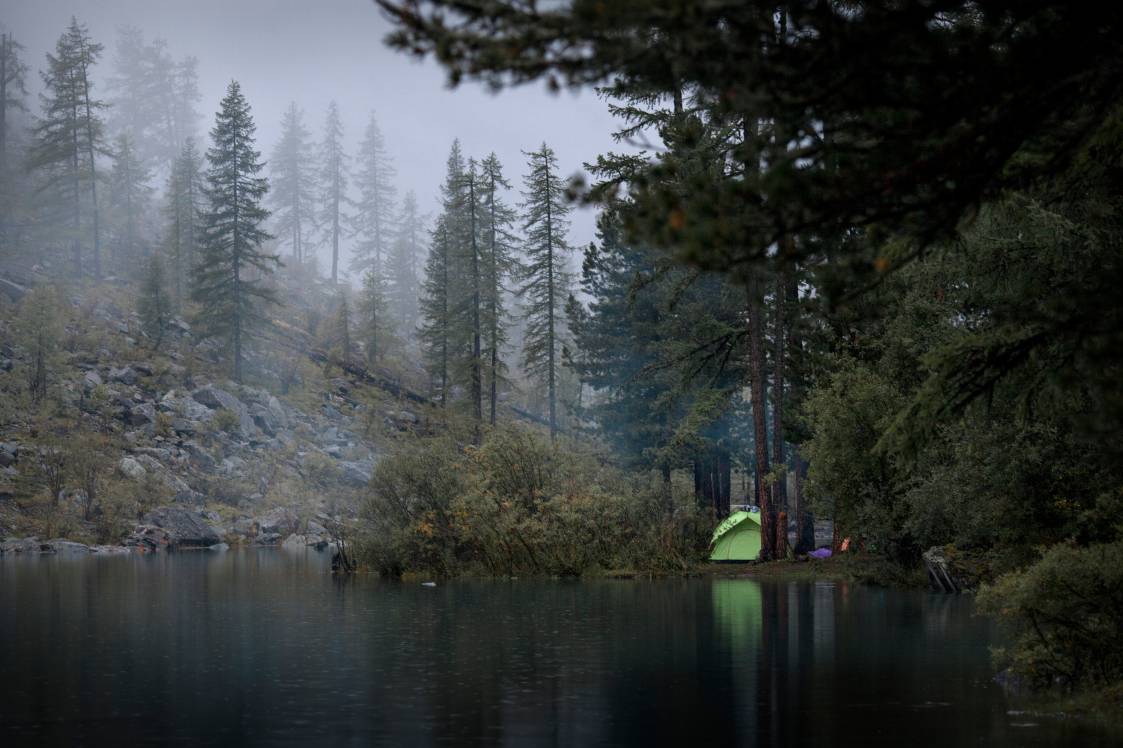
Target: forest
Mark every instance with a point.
(856, 266)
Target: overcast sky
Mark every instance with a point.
(313, 51)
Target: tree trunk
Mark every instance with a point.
(780, 486)
(760, 428)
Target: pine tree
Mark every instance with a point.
(154, 97)
(342, 332)
(439, 289)
(469, 312)
(401, 273)
(129, 198)
(13, 89)
(376, 331)
(545, 279)
(333, 185)
(69, 135)
(374, 211)
(182, 211)
(293, 183)
(434, 331)
(498, 259)
(154, 307)
(230, 277)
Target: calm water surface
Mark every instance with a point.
(267, 647)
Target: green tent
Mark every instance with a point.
(737, 538)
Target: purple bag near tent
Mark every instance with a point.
(820, 553)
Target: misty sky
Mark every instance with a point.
(313, 51)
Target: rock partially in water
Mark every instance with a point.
(65, 547)
(218, 547)
(110, 550)
(268, 538)
(280, 521)
(20, 545)
(176, 527)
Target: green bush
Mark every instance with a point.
(1064, 615)
(520, 505)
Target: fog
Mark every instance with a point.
(313, 52)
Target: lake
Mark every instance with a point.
(265, 646)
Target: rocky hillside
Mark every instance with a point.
(143, 448)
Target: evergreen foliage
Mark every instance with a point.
(544, 277)
(129, 198)
(374, 210)
(183, 210)
(230, 282)
(68, 137)
(333, 178)
(293, 186)
(154, 306)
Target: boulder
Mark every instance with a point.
(141, 415)
(130, 468)
(126, 375)
(20, 545)
(218, 547)
(356, 473)
(219, 399)
(184, 528)
(91, 380)
(279, 521)
(109, 550)
(185, 427)
(267, 538)
(65, 547)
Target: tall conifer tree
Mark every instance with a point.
(182, 213)
(374, 210)
(292, 189)
(68, 137)
(230, 283)
(545, 279)
(333, 185)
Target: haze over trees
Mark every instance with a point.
(863, 271)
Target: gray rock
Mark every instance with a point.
(216, 399)
(277, 411)
(356, 473)
(143, 367)
(20, 545)
(295, 543)
(267, 538)
(185, 427)
(6, 459)
(141, 415)
(280, 521)
(91, 380)
(65, 547)
(218, 547)
(127, 375)
(110, 550)
(130, 468)
(11, 449)
(219, 399)
(185, 528)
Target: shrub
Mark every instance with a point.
(519, 505)
(1065, 617)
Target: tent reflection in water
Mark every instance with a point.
(737, 538)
